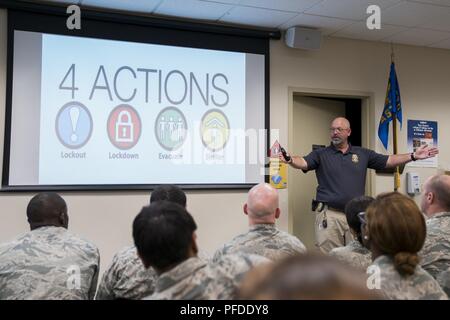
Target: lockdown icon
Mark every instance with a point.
(124, 127)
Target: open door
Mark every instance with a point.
(311, 122)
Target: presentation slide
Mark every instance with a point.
(89, 111)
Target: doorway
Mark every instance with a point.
(310, 115)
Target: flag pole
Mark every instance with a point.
(397, 171)
(394, 131)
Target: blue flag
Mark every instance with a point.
(392, 105)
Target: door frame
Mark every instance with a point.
(367, 129)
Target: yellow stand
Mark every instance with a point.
(278, 173)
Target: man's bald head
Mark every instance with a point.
(436, 194)
(262, 203)
(47, 209)
(340, 122)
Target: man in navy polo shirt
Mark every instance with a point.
(341, 174)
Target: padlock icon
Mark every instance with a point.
(124, 127)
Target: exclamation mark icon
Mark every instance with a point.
(74, 113)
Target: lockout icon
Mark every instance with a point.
(73, 125)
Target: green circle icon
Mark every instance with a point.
(170, 128)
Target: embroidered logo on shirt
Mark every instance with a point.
(355, 158)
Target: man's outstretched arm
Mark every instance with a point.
(296, 162)
(423, 152)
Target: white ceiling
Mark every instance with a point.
(418, 22)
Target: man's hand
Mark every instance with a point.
(283, 160)
(425, 152)
(296, 162)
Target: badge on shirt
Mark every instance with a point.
(355, 158)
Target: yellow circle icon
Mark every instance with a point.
(214, 130)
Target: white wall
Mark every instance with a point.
(106, 217)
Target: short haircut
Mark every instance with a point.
(45, 207)
(262, 200)
(169, 192)
(162, 233)
(397, 228)
(352, 209)
(441, 191)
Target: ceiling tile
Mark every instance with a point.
(283, 5)
(325, 24)
(223, 1)
(409, 14)
(441, 44)
(56, 1)
(135, 5)
(439, 21)
(193, 9)
(257, 16)
(348, 9)
(359, 30)
(435, 2)
(428, 20)
(418, 37)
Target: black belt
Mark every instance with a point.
(336, 209)
(316, 204)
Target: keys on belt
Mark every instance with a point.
(319, 206)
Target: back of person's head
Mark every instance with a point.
(262, 204)
(305, 277)
(396, 227)
(47, 209)
(436, 194)
(163, 233)
(352, 209)
(169, 192)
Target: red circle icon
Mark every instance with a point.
(124, 127)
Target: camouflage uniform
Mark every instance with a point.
(127, 278)
(419, 286)
(44, 264)
(435, 253)
(195, 279)
(353, 254)
(264, 240)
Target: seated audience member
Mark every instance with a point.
(126, 277)
(435, 253)
(165, 238)
(263, 237)
(395, 231)
(355, 253)
(306, 277)
(48, 262)
(443, 279)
